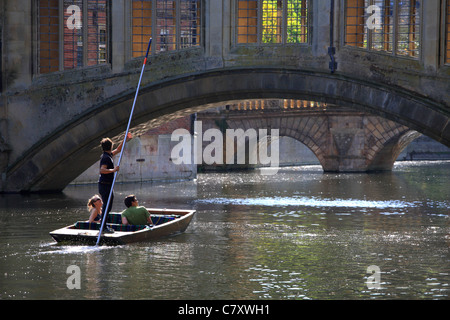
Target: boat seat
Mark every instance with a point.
(116, 218)
(87, 225)
(84, 225)
(160, 219)
(128, 227)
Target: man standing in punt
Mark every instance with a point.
(107, 170)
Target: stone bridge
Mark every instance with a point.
(342, 140)
(51, 123)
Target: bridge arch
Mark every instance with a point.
(56, 160)
(342, 140)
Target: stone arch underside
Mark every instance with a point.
(55, 161)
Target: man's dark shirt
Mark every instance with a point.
(107, 160)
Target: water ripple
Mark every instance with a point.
(311, 202)
(76, 249)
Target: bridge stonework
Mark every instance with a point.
(342, 140)
(51, 124)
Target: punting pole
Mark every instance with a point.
(105, 214)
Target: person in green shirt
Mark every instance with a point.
(135, 214)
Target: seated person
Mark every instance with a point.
(95, 208)
(134, 214)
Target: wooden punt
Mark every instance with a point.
(166, 222)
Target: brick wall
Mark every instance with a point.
(169, 127)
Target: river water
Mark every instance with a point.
(299, 234)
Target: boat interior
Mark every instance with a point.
(114, 221)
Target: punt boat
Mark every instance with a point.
(165, 222)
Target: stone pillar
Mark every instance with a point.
(5, 148)
(16, 66)
(215, 33)
(321, 27)
(17, 45)
(364, 143)
(346, 145)
(120, 34)
(431, 32)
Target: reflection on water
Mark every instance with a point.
(300, 234)
(311, 202)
